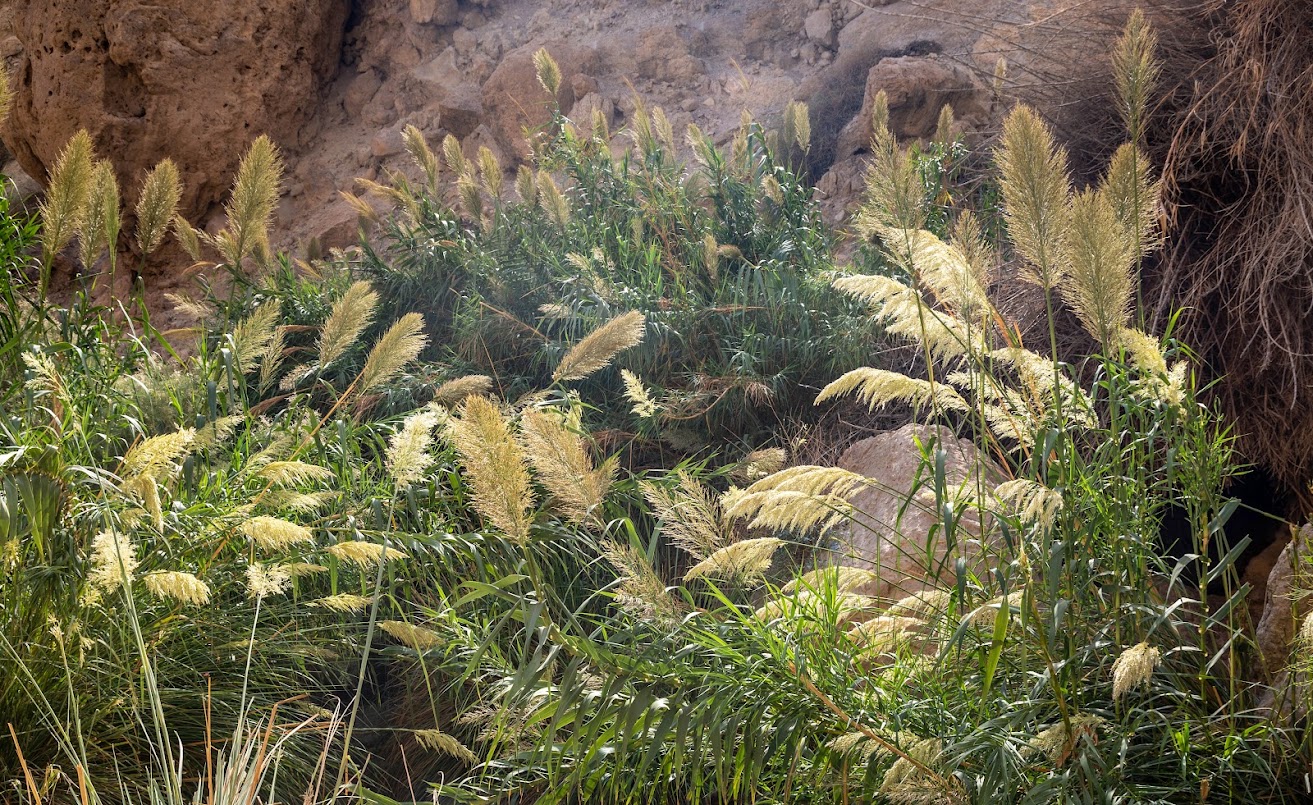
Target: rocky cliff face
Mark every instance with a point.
(334, 82)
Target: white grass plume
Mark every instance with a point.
(495, 467)
(1035, 185)
(349, 317)
(400, 345)
(599, 348)
(689, 514)
(741, 562)
(561, 459)
(158, 203)
(877, 387)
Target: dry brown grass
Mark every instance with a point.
(1238, 174)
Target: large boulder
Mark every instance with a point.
(896, 530)
(154, 78)
(1287, 603)
(515, 102)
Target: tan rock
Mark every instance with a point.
(896, 530)
(154, 78)
(514, 100)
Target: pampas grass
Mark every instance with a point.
(600, 347)
(742, 562)
(66, 198)
(1035, 185)
(157, 204)
(497, 470)
(689, 514)
(250, 208)
(560, 458)
(351, 314)
(400, 345)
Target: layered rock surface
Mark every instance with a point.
(335, 81)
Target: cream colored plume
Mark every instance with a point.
(600, 347)
(495, 467)
(561, 459)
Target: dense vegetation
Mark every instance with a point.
(497, 509)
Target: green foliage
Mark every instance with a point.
(728, 260)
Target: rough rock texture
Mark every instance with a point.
(154, 78)
(1287, 601)
(893, 531)
(170, 78)
(1287, 604)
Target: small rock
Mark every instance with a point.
(435, 12)
(819, 27)
(689, 104)
(464, 40)
(387, 142)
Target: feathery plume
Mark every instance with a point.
(293, 473)
(66, 197)
(451, 151)
(1135, 71)
(400, 345)
(553, 202)
(251, 206)
(944, 126)
(644, 406)
(113, 560)
(298, 570)
(408, 454)
(689, 515)
(364, 554)
(600, 347)
(884, 634)
(968, 237)
(419, 151)
(490, 170)
(160, 193)
(189, 237)
(273, 534)
(843, 578)
(799, 498)
(878, 387)
(924, 751)
(266, 580)
(182, 587)
(926, 605)
(742, 562)
(526, 186)
(251, 336)
(415, 637)
(894, 195)
(1134, 668)
(1035, 186)
(1057, 741)
(983, 617)
(471, 200)
(350, 316)
(362, 207)
(495, 466)
(560, 458)
(1033, 502)
(100, 218)
(442, 743)
(454, 392)
(797, 125)
(947, 272)
(297, 502)
(158, 455)
(1100, 257)
(549, 73)
(6, 95)
(760, 463)
(343, 602)
(640, 591)
(1134, 197)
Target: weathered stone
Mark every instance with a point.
(150, 79)
(896, 530)
(819, 27)
(436, 12)
(514, 100)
